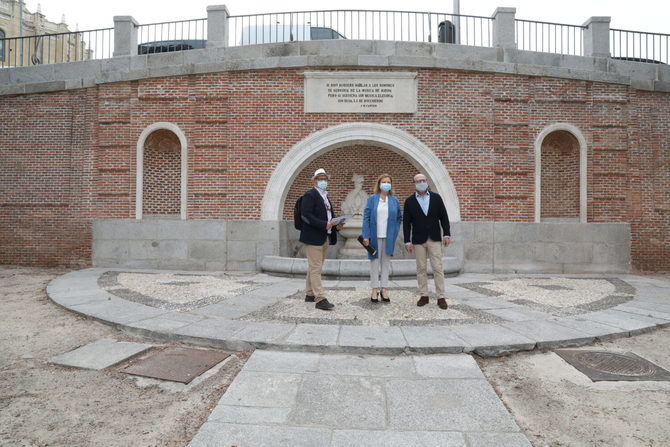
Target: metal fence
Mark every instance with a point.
(549, 37)
(172, 36)
(406, 26)
(56, 48)
(640, 46)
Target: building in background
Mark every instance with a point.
(23, 33)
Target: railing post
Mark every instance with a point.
(597, 37)
(217, 26)
(125, 36)
(503, 28)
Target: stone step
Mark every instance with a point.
(344, 268)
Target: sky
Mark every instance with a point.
(640, 15)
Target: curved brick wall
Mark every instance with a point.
(69, 157)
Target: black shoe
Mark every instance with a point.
(385, 300)
(374, 300)
(309, 298)
(324, 305)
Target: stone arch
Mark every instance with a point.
(575, 132)
(139, 180)
(331, 138)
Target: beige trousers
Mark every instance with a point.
(433, 250)
(315, 257)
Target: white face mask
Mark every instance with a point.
(322, 184)
(421, 187)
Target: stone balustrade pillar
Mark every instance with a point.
(125, 36)
(597, 37)
(504, 28)
(217, 26)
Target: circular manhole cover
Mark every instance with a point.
(616, 364)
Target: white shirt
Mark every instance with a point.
(324, 196)
(382, 217)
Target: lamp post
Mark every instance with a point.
(21, 27)
(457, 21)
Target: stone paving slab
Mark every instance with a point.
(100, 354)
(216, 325)
(286, 398)
(492, 340)
(550, 335)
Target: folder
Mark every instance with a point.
(370, 249)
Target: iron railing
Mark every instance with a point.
(640, 46)
(549, 37)
(406, 26)
(56, 48)
(172, 36)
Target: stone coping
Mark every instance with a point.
(352, 268)
(79, 292)
(335, 53)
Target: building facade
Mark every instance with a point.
(59, 46)
(194, 159)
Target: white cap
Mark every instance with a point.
(319, 172)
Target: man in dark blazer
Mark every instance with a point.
(317, 233)
(423, 215)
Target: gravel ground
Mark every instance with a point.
(557, 405)
(47, 405)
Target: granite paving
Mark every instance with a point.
(296, 399)
(489, 314)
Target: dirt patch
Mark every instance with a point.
(556, 405)
(47, 405)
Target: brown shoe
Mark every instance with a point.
(422, 301)
(442, 303)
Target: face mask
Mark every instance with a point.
(322, 184)
(421, 187)
(386, 187)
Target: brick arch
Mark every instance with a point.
(149, 134)
(331, 138)
(539, 141)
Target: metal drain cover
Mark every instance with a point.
(613, 366)
(177, 364)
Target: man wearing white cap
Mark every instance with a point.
(317, 232)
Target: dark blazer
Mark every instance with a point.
(417, 227)
(314, 219)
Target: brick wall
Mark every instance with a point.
(559, 175)
(162, 174)
(70, 157)
(343, 163)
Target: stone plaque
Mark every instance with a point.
(360, 92)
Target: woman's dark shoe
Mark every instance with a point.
(374, 297)
(385, 299)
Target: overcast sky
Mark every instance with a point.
(640, 15)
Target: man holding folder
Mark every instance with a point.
(318, 231)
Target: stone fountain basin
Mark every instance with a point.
(346, 268)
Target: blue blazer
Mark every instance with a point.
(370, 223)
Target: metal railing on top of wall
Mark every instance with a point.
(172, 36)
(549, 37)
(56, 48)
(405, 26)
(640, 46)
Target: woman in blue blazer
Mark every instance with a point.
(381, 224)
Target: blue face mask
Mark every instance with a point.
(421, 187)
(386, 187)
(322, 184)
